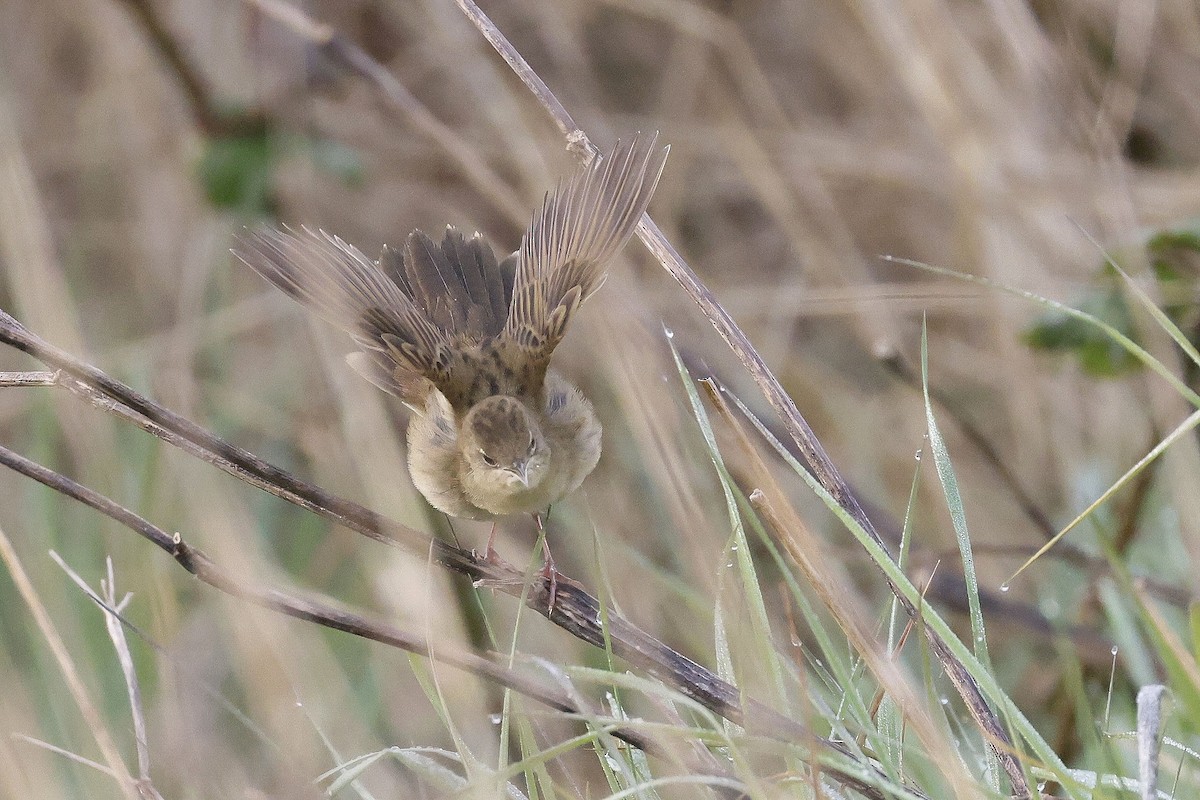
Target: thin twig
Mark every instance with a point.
(794, 423)
(207, 111)
(116, 633)
(37, 378)
(75, 685)
(312, 609)
(67, 754)
(575, 610)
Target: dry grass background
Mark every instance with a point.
(807, 138)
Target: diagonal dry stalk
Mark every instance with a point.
(794, 423)
(575, 610)
(312, 609)
(579, 614)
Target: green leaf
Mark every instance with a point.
(1164, 242)
(1171, 254)
(1098, 354)
(236, 172)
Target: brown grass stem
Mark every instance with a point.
(793, 421)
(311, 609)
(575, 610)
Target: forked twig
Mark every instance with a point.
(116, 633)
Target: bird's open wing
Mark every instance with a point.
(448, 315)
(580, 227)
(420, 314)
(401, 346)
(458, 284)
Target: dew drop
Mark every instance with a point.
(670, 333)
(495, 719)
(1004, 587)
(919, 453)
(1114, 649)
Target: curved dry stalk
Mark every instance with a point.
(793, 421)
(311, 609)
(575, 610)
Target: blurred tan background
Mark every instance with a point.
(808, 139)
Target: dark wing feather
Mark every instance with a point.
(345, 288)
(579, 229)
(449, 316)
(423, 316)
(485, 304)
(458, 284)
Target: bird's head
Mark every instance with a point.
(503, 446)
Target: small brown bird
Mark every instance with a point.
(466, 341)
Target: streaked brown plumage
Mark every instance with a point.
(466, 341)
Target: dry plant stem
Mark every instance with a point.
(206, 111)
(132, 687)
(341, 50)
(116, 632)
(795, 424)
(202, 567)
(113, 762)
(809, 556)
(575, 610)
(38, 378)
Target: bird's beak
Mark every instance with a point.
(521, 468)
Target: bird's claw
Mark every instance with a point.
(549, 573)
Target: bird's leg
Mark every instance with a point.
(548, 571)
(490, 553)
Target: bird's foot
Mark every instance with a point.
(489, 554)
(549, 573)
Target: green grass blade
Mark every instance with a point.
(954, 503)
(759, 622)
(1183, 428)
(1164, 322)
(1132, 347)
(1051, 764)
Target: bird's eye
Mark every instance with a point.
(532, 444)
(491, 462)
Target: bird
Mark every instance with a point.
(465, 340)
